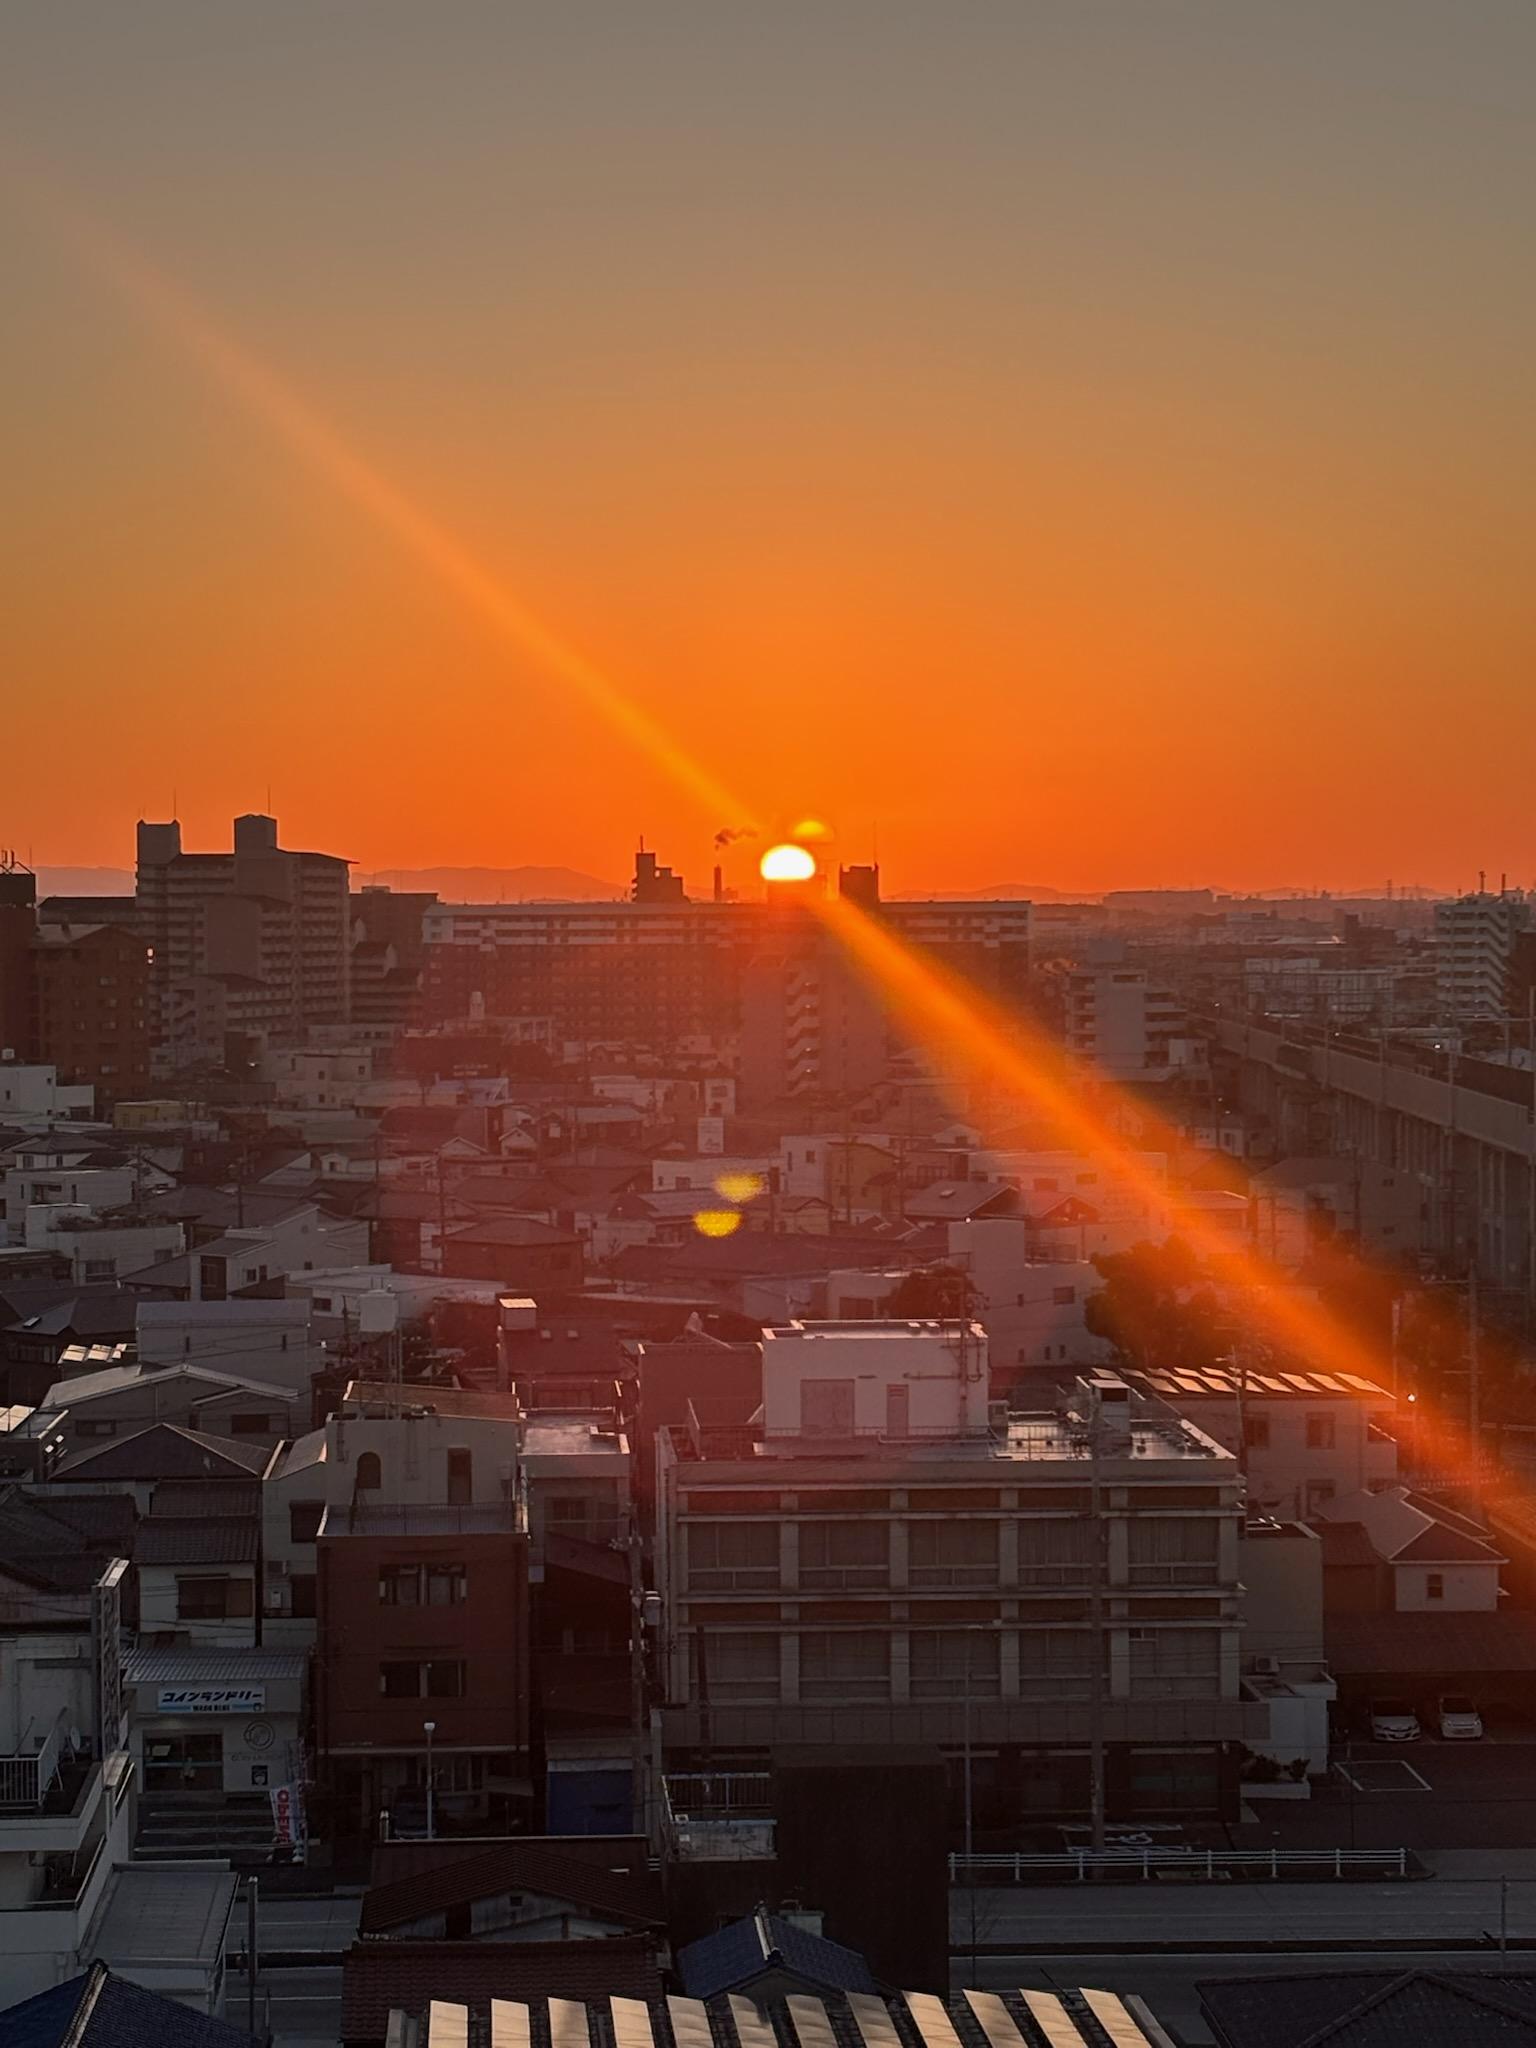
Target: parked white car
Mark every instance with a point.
(1457, 1718)
(1394, 1721)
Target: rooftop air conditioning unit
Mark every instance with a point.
(1266, 1667)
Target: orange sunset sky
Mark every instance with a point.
(1083, 443)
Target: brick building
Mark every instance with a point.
(423, 1619)
(93, 989)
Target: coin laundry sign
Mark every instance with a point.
(212, 1699)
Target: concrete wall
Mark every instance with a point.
(943, 1391)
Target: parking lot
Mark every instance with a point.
(1422, 1795)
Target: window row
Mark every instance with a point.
(856, 1664)
(738, 1556)
(423, 1585)
(413, 1678)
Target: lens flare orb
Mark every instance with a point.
(716, 1222)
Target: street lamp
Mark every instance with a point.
(431, 1729)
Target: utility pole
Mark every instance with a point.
(1097, 1645)
(429, 1728)
(639, 1804)
(251, 1933)
(1474, 1363)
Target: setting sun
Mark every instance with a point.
(787, 863)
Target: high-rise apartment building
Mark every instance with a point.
(1125, 1022)
(251, 941)
(93, 991)
(1476, 940)
(882, 1558)
(18, 932)
(662, 968)
(387, 953)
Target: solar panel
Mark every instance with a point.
(509, 2023)
(690, 2023)
(752, 2030)
(931, 2020)
(568, 2024)
(448, 2023)
(812, 2027)
(1053, 2019)
(631, 2023)
(1113, 2015)
(996, 2020)
(876, 2027)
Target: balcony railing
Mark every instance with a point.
(27, 1779)
(1190, 1574)
(845, 1578)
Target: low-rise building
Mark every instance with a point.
(422, 1681)
(1305, 1438)
(1439, 1561)
(66, 1782)
(31, 1093)
(216, 1720)
(102, 1247)
(878, 1560)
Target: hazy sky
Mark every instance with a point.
(1085, 443)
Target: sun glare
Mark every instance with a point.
(787, 863)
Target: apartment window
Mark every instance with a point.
(301, 1589)
(1320, 1432)
(845, 1554)
(1057, 1663)
(95, 1428)
(446, 1585)
(436, 1678)
(731, 1556)
(948, 1663)
(461, 1478)
(98, 1269)
(304, 1518)
(1173, 1550)
(1175, 1663)
(850, 1665)
(213, 1599)
(1057, 1550)
(738, 1664)
(418, 1585)
(1256, 1432)
(952, 1553)
(370, 1473)
(251, 1425)
(1063, 1297)
(400, 1585)
(1434, 1585)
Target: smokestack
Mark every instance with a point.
(719, 883)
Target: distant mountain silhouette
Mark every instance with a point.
(497, 885)
(84, 882)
